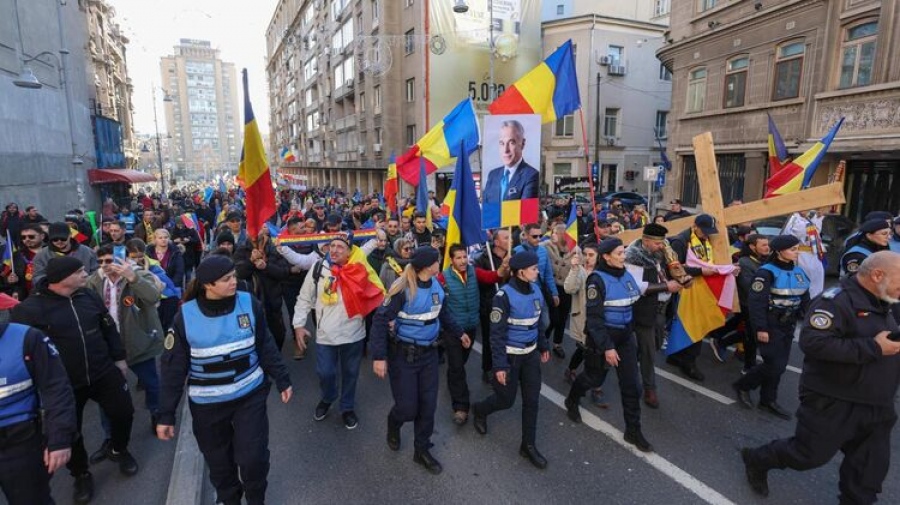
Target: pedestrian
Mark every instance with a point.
(518, 323)
(420, 235)
(265, 270)
(34, 444)
(609, 328)
(61, 243)
(779, 296)
(851, 372)
(559, 255)
(396, 260)
(170, 258)
(875, 235)
(415, 307)
(675, 211)
(221, 345)
(894, 244)
(80, 327)
(496, 257)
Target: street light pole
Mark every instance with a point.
(162, 175)
(493, 91)
(597, 136)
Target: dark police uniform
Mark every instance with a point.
(412, 356)
(778, 298)
(609, 325)
(853, 257)
(33, 378)
(519, 318)
(225, 351)
(847, 393)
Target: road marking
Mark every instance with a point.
(666, 467)
(694, 387)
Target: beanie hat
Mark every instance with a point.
(608, 245)
(225, 236)
(523, 260)
(213, 268)
(61, 267)
(424, 256)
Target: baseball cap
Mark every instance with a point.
(707, 224)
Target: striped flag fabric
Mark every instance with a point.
(8, 255)
(287, 155)
(463, 211)
(360, 286)
(253, 171)
(458, 133)
(797, 175)
(391, 186)
(703, 306)
(422, 203)
(549, 89)
(778, 154)
(572, 228)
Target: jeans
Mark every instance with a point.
(148, 376)
(347, 357)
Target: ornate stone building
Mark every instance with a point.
(806, 63)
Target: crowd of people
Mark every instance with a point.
(176, 291)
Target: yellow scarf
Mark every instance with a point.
(394, 265)
(703, 249)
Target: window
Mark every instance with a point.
(661, 7)
(560, 9)
(565, 126)
(788, 68)
(858, 55)
(409, 42)
(562, 169)
(309, 97)
(616, 55)
(736, 81)
(696, 99)
(378, 135)
(610, 123)
(410, 90)
(705, 5)
(660, 130)
(411, 134)
(362, 101)
(377, 103)
(376, 11)
(664, 73)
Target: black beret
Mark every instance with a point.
(425, 256)
(61, 267)
(656, 231)
(609, 245)
(523, 259)
(782, 242)
(878, 214)
(873, 225)
(225, 236)
(213, 268)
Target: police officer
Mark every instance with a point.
(33, 378)
(875, 235)
(851, 373)
(415, 306)
(219, 342)
(779, 295)
(611, 293)
(519, 317)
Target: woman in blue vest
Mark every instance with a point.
(610, 339)
(219, 342)
(519, 317)
(874, 236)
(404, 345)
(779, 295)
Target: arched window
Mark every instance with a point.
(736, 81)
(858, 54)
(696, 94)
(788, 70)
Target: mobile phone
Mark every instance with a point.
(119, 253)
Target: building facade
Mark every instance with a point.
(203, 118)
(807, 63)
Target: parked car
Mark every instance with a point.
(835, 230)
(628, 198)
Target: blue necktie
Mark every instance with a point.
(504, 184)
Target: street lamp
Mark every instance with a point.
(162, 174)
(460, 7)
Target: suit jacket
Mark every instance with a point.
(524, 184)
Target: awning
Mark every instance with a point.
(110, 175)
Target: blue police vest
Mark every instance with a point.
(787, 288)
(18, 396)
(417, 322)
(894, 244)
(129, 222)
(855, 249)
(621, 293)
(524, 315)
(224, 363)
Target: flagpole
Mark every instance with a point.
(590, 173)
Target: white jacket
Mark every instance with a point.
(335, 327)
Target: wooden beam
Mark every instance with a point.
(813, 198)
(711, 195)
(674, 226)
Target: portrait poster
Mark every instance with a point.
(511, 161)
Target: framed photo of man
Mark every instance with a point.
(511, 159)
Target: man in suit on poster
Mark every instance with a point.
(516, 179)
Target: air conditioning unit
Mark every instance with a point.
(604, 60)
(617, 70)
(348, 84)
(323, 119)
(376, 148)
(361, 149)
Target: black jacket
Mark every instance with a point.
(680, 244)
(264, 284)
(841, 358)
(80, 327)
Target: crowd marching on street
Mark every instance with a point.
(174, 288)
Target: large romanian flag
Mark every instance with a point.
(703, 306)
(778, 154)
(457, 132)
(253, 172)
(463, 211)
(572, 228)
(287, 155)
(549, 89)
(798, 174)
(360, 286)
(391, 187)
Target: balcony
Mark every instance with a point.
(345, 122)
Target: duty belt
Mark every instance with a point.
(521, 351)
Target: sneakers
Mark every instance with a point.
(321, 410)
(84, 488)
(100, 454)
(599, 399)
(636, 438)
(127, 464)
(559, 352)
(350, 420)
(757, 477)
(719, 351)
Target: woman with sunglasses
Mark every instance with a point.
(396, 260)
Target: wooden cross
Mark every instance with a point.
(711, 200)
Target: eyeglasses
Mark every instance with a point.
(536, 236)
(29, 237)
(63, 239)
(137, 257)
(407, 249)
(104, 261)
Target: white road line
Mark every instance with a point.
(666, 467)
(693, 387)
(789, 367)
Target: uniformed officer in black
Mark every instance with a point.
(33, 379)
(610, 339)
(874, 235)
(851, 372)
(404, 345)
(779, 296)
(519, 317)
(220, 343)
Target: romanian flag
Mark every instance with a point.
(797, 175)
(360, 286)
(778, 154)
(190, 221)
(253, 172)
(463, 211)
(423, 205)
(287, 155)
(572, 228)
(8, 255)
(703, 306)
(549, 89)
(457, 132)
(79, 237)
(391, 187)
